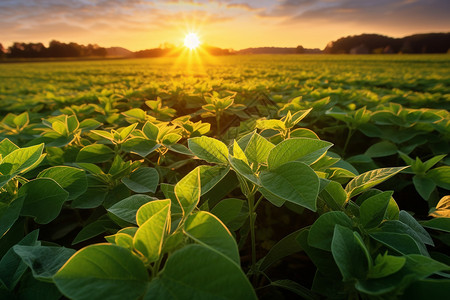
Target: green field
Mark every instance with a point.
(280, 175)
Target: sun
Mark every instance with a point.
(191, 41)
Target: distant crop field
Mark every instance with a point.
(313, 176)
(417, 80)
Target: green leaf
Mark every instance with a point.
(11, 265)
(432, 161)
(297, 149)
(197, 272)
(21, 160)
(151, 131)
(102, 272)
(349, 254)
(188, 191)
(209, 149)
(295, 182)
(143, 180)
(207, 230)
(258, 149)
(373, 209)
(140, 146)
(285, 247)
(243, 169)
(43, 261)
(136, 113)
(210, 176)
(149, 238)
(21, 120)
(71, 179)
(419, 232)
(271, 197)
(239, 153)
(228, 210)
(417, 267)
(321, 232)
(43, 200)
(127, 208)
(6, 147)
(333, 195)
(33, 289)
(402, 243)
(441, 176)
(369, 179)
(95, 153)
(94, 229)
(9, 214)
(424, 186)
(381, 149)
(386, 265)
(442, 224)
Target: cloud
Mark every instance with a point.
(243, 6)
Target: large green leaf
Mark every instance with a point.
(95, 153)
(143, 180)
(305, 150)
(44, 261)
(43, 200)
(369, 179)
(6, 147)
(258, 149)
(416, 267)
(127, 208)
(322, 231)
(400, 242)
(229, 211)
(188, 191)
(349, 253)
(9, 214)
(295, 182)
(209, 149)
(386, 265)
(441, 176)
(197, 272)
(424, 186)
(12, 266)
(73, 180)
(100, 272)
(442, 224)
(149, 238)
(333, 195)
(208, 230)
(140, 146)
(94, 229)
(373, 209)
(243, 169)
(21, 160)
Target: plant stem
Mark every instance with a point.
(251, 208)
(349, 136)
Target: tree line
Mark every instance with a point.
(375, 43)
(55, 49)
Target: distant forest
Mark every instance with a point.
(54, 50)
(377, 44)
(358, 44)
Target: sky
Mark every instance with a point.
(236, 24)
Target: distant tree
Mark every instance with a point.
(2, 51)
(300, 49)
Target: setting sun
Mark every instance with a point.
(191, 41)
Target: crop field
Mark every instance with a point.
(235, 177)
